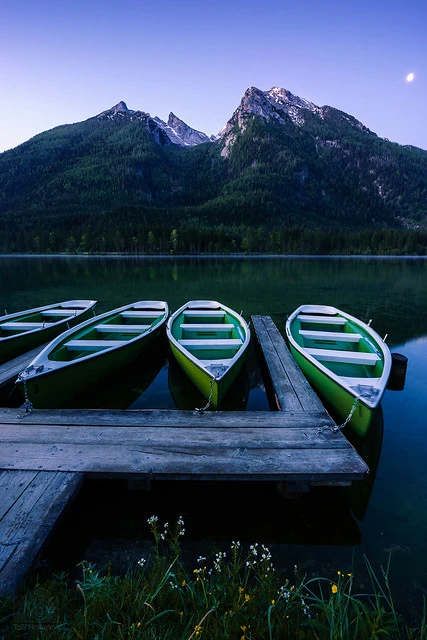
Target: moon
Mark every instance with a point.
(410, 77)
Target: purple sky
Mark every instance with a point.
(65, 61)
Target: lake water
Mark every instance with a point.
(319, 531)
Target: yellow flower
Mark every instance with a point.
(334, 588)
(273, 601)
(183, 583)
(339, 573)
(181, 613)
(243, 627)
(241, 590)
(349, 575)
(247, 597)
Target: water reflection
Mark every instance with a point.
(318, 530)
(369, 448)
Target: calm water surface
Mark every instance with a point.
(319, 531)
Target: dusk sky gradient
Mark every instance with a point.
(64, 62)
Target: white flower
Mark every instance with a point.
(142, 562)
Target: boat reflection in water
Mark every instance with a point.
(187, 397)
(369, 448)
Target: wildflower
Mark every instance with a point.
(243, 627)
(273, 601)
(142, 562)
(241, 590)
(339, 573)
(200, 559)
(183, 583)
(197, 631)
(349, 575)
(181, 613)
(247, 597)
(334, 588)
(152, 520)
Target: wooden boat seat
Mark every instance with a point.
(323, 319)
(140, 314)
(204, 343)
(351, 357)
(122, 328)
(151, 305)
(337, 336)
(11, 326)
(59, 312)
(92, 345)
(204, 314)
(207, 327)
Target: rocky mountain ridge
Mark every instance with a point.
(174, 131)
(279, 161)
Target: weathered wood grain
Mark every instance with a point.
(166, 418)
(249, 437)
(30, 520)
(12, 486)
(186, 459)
(289, 383)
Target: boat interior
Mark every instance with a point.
(39, 319)
(338, 344)
(209, 334)
(109, 332)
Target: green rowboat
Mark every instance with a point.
(90, 352)
(208, 340)
(345, 360)
(20, 332)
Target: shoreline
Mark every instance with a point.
(234, 256)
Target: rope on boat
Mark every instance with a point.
(338, 427)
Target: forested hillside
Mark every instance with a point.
(283, 177)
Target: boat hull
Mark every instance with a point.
(212, 371)
(15, 345)
(213, 390)
(333, 394)
(54, 387)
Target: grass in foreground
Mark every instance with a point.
(236, 595)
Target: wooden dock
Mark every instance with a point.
(45, 454)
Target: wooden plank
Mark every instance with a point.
(12, 486)
(166, 418)
(191, 461)
(29, 522)
(307, 396)
(10, 370)
(54, 436)
(289, 383)
(283, 389)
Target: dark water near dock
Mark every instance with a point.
(318, 531)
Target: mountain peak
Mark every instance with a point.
(120, 106)
(119, 109)
(282, 106)
(186, 135)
